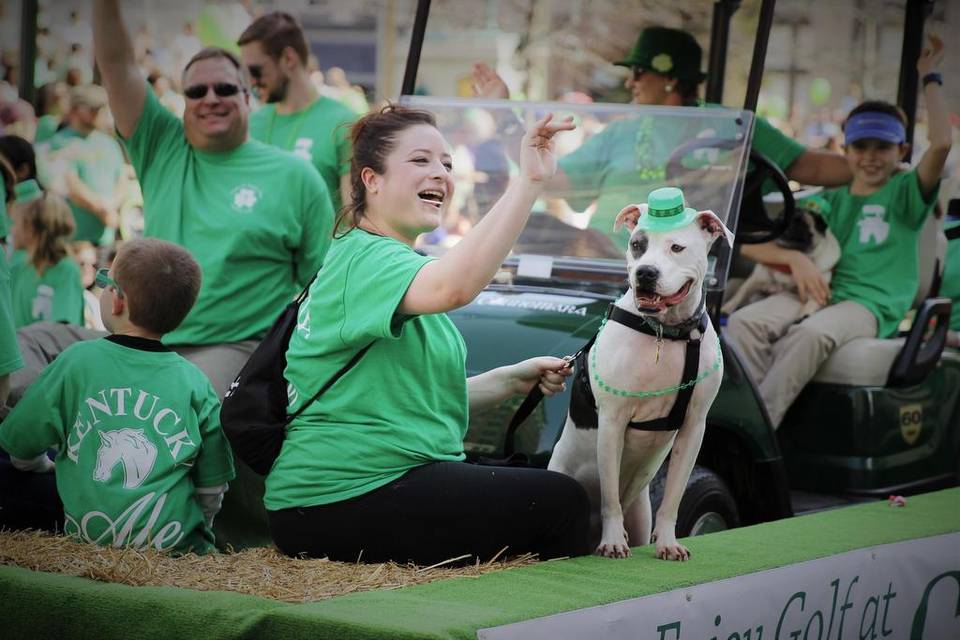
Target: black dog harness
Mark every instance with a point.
(583, 406)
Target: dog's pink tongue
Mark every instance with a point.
(678, 296)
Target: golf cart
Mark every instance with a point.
(881, 416)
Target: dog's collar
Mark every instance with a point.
(653, 327)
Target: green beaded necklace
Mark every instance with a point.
(649, 394)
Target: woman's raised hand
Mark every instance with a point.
(538, 162)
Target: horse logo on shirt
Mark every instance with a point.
(872, 225)
(245, 197)
(130, 448)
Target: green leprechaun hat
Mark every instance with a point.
(669, 52)
(814, 204)
(27, 191)
(666, 211)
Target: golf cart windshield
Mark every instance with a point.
(616, 156)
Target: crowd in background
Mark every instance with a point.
(69, 142)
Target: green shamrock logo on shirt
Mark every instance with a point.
(245, 197)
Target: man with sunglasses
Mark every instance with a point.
(256, 219)
(295, 117)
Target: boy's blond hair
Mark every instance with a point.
(160, 282)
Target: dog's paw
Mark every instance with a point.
(674, 551)
(613, 550)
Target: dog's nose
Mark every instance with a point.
(647, 274)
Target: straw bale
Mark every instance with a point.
(261, 571)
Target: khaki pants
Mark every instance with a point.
(782, 356)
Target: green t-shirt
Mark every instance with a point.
(878, 236)
(98, 160)
(46, 128)
(320, 133)
(55, 296)
(256, 219)
(951, 278)
(136, 432)
(628, 159)
(404, 404)
(10, 359)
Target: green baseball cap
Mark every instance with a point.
(669, 52)
(27, 191)
(666, 211)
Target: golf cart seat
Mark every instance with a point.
(905, 360)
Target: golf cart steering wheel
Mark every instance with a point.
(754, 224)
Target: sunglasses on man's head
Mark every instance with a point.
(255, 70)
(103, 280)
(222, 89)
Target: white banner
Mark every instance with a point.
(907, 590)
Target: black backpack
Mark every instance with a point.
(254, 410)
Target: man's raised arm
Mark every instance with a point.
(113, 50)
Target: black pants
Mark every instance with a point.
(28, 500)
(441, 511)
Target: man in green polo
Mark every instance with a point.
(295, 117)
(628, 159)
(92, 163)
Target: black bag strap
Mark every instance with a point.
(339, 374)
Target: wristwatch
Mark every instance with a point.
(932, 77)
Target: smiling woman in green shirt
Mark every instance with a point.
(373, 469)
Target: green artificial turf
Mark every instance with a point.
(77, 608)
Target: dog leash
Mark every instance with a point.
(532, 400)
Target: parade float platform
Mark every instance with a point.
(867, 571)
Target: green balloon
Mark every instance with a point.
(820, 91)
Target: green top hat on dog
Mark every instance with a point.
(815, 204)
(666, 211)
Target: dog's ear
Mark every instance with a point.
(714, 227)
(628, 216)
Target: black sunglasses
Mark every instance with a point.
(256, 70)
(222, 89)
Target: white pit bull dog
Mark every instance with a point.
(651, 342)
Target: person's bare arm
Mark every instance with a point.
(931, 164)
(809, 279)
(83, 196)
(821, 168)
(460, 274)
(113, 51)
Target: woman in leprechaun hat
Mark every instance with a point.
(628, 159)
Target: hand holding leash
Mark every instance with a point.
(548, 371)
